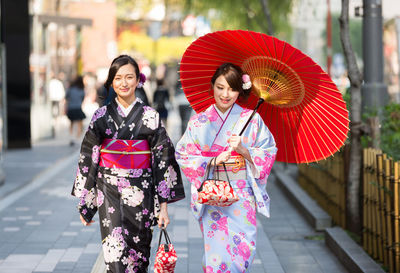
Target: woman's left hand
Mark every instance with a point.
(163, 218)
(235, 143)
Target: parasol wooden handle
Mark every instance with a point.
(260, 101)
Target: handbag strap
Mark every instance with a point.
(209, 166)
(226, 172)
(215, 169)
(207, 173)
(167, 240)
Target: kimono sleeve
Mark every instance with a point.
(167, 178)
(85, 182)
(262, 151)
(189, 157)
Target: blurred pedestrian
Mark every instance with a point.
(56, 95)
(185, 110)
(74, 98)
(127, 171)
(161, 100)
(212, 137)
(101, 95)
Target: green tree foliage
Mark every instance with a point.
(125, 7)
(390, 131)
(355, 28)
(243, 14)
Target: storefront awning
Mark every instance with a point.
(64, 20)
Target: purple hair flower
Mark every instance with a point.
(142, 80)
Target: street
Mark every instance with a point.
(40, 229)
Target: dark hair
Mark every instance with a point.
(77, 82)
(116, 64)
(233, 75)
(160, 82)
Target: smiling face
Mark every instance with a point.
(224, 95)
(124, 84)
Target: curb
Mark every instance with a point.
(313, 213)
(349, 253)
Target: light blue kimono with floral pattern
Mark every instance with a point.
(229, 232)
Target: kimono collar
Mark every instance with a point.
(217, 117)
(121, 124)
(223, 115)
(220, 127)
(127, 109)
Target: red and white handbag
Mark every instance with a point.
(216, 192)
(166, 255)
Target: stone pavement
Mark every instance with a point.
(40, 229)
(285, 242)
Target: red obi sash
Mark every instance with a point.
(125, 154)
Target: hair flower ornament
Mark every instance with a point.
(142, 80)
(246, 82)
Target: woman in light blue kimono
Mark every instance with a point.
(229, 232)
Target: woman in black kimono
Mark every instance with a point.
(127, 171)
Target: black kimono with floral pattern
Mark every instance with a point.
(128, 200)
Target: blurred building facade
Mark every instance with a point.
(68, 38)
(391, 47)
(309, 21)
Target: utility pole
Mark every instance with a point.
(374, 90)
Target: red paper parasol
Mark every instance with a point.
(303, 108)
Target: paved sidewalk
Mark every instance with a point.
(285, 242)
(40, 229)
(186, 236)
(300, 249)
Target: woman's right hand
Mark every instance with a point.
(84, 221)
(223, 157)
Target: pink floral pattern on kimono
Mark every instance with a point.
(204, 130)
(229, 232)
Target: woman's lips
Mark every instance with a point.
(225, 101)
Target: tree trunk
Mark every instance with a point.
(375, 132)
(354, 176)
(270, 27)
